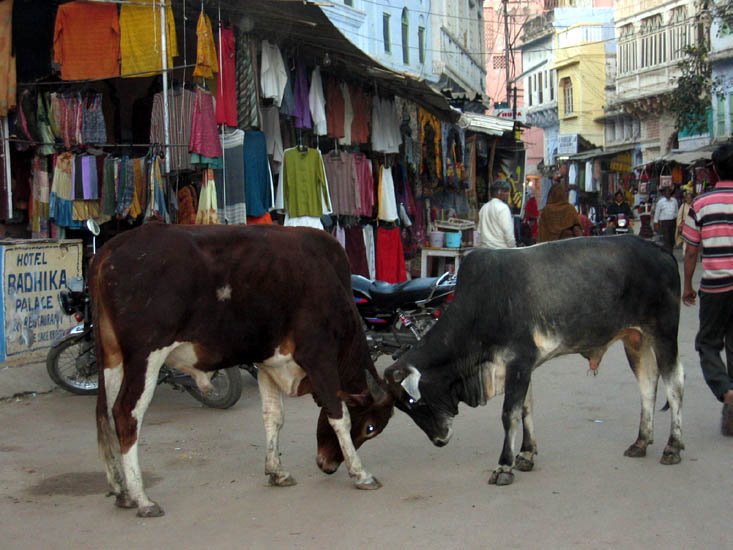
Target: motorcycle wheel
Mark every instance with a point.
(226, 391)
(67, 367)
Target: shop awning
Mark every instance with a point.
(687, 157)
(303, 28)
(485, 124)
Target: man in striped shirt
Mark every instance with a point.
(709, 225)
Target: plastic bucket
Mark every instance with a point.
(453, 239)
(437, 239)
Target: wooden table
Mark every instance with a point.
(442, 253)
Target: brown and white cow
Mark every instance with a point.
(203, 297)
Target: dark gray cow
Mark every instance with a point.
(515, 309)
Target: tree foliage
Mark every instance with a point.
(692, 97)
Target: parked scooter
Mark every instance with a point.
(72, 363)
(396, 316)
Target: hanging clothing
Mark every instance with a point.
(258, 186)
(40, 193)
(385, 133)
(341, 174)
(390, 256)
(206, 61)
(336, 109)
(317, 103)
(60, 199)
(348, 114)
(111, 173)
(204, 136)
(156, 208)
(86, 41)
(230, 182)
(7, 60)
(365, 184)
(273, 76)
(361, 106)
(94, 129)
(302, 109)
(187, 204)
(356, 251)
(387, 203)
(207, 211)
(430, 137)
(302, 186)
(181, 103)
(45, 134)
(247, 82)
(140, 48)
(273, 133)
(226, 95)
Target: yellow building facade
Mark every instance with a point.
(580, 63)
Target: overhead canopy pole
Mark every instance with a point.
(164, 66)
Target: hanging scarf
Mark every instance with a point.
(207, 212)
(206, 61)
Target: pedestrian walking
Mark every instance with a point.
(681, 217)
(665, 218)
(708, 227)
(495, 220)
(559, 219)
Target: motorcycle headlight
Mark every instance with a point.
(69, 302)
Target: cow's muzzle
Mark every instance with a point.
(442, 441)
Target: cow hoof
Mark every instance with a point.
(501, 478)
(123, 500)
(670, 456)
(282, 480)
(152, 511)
(370, 484)
(523, 464)
(635, 451)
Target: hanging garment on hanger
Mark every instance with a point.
(87, 41)
(348, 114)
(156, 208)
(355, 250)
(109, 185)
(204, 135)
(247, 82)
(231, 180)
(387, 203)
(140, 47)
(273, 76)
(94, 129)
(226, 94)
(206, 61)
(361, 104)
(7, 61)
(342, 183)
(336, 109)
(317, 104)
(257, 176)
(302, 190)
(40, 193)
(273, 134)
(301, 90)
(365, 184)
(181, 104)
(61, 185)
(390, 256)
(207, 211)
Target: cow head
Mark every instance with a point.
(369, 412)
(432, 413)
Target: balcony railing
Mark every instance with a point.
(462, 66)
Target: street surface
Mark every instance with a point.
(206, 469)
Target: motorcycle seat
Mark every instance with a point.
(394, 293)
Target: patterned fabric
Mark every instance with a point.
(94, 129)
(247, 86)
(180, 116)
(204, 135)
(226, 97)
(156, 209)
(140, 48)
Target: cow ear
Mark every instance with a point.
(354, 399)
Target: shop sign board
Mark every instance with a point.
(33, 274)
(567, 144)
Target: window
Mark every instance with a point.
(540, 99)
(653, 42)
(679, 33)
(627, 50)
(552, 85)
(385, 33)
(529, 90)
(421, 44)
(720, 116)
(567, 90)
(349, 3)
(405, 37)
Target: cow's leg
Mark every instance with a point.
(109, 388)
(641, 358)
(517, 385)
(272, 414)
(674, 381)
(342, 428)
(128, 412)
(524, 461)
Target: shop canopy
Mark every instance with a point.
(304, 28)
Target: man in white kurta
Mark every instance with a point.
(495, 221)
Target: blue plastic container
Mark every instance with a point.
(453, 239)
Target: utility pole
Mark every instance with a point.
(506, 53)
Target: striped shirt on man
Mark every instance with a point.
(709, 225)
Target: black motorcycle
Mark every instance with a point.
(397, 316)
(72, 363)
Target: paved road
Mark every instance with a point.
(206, 468)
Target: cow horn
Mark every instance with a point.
(378, 394)
(411, 383)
